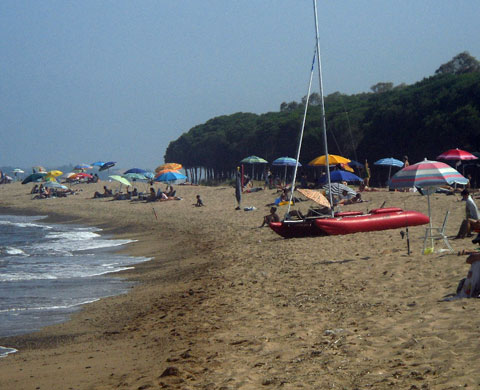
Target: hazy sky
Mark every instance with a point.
(85, 80)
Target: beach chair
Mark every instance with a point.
(437, 233)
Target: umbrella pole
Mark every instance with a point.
(285, 176)
(430, 218)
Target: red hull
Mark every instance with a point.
(378, 219)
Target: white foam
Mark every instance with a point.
(4, 351)
(10, 250)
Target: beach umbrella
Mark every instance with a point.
(80, 176)
(170, 176)
(97, 164)
(54, 173)
(316, 196)
(135, 170)
(34, 177)
(39, 169)
(107, 165)
(18, 170)
(134, 176)
(120, 179)
(55, 185)
(81, 167)
(456, 154)
(165, 171)
(427, 174)
(149, 175)
(253, 160)
(333, 159)
(287, 162)
(389, 162)
(339, 176)
(174, 166)
(355, 164)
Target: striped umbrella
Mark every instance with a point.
(427, 174)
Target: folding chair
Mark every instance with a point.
(437, 233)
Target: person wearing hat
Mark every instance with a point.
(471, 221)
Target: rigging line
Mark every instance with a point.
(302, 130)
(349, 128)
(323, 106)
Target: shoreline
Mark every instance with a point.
(224, 304)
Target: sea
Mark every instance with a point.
(48, 271)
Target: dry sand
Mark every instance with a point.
(226, 305)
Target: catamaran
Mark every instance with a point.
(342, 222)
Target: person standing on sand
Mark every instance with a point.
(366, 174)
(405, 162)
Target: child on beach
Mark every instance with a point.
(199, 202)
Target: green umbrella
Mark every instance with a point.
(120, 179)
(253, 160)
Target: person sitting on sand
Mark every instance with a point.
(272, 217)
(199, 202)
(106, 193)
(471, 221)
(34, 189)
(152, 197)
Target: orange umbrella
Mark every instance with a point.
(333, 159)
(173, 166)
(316, 196)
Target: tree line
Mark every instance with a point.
(420, 120)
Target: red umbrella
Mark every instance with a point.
(456, 154)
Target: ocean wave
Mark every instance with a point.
(54, 307)
(4, 351)
(11, 251)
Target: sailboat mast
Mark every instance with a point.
(324, 124)
(301, 133)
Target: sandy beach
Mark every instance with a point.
(224, 304)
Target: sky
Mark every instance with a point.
(83, 81)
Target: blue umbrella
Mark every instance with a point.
(389, 162)
(355, 164)
(149, 175)
(339, 176)
(136, 170)
(107, 165)
(287, 161)
(98, 164)
(170, 176)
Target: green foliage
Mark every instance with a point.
(421, 120)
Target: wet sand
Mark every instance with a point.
(226, 305)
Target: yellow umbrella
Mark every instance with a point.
(54, 173)
(173, 166)
(51, 175)
(333, 159)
